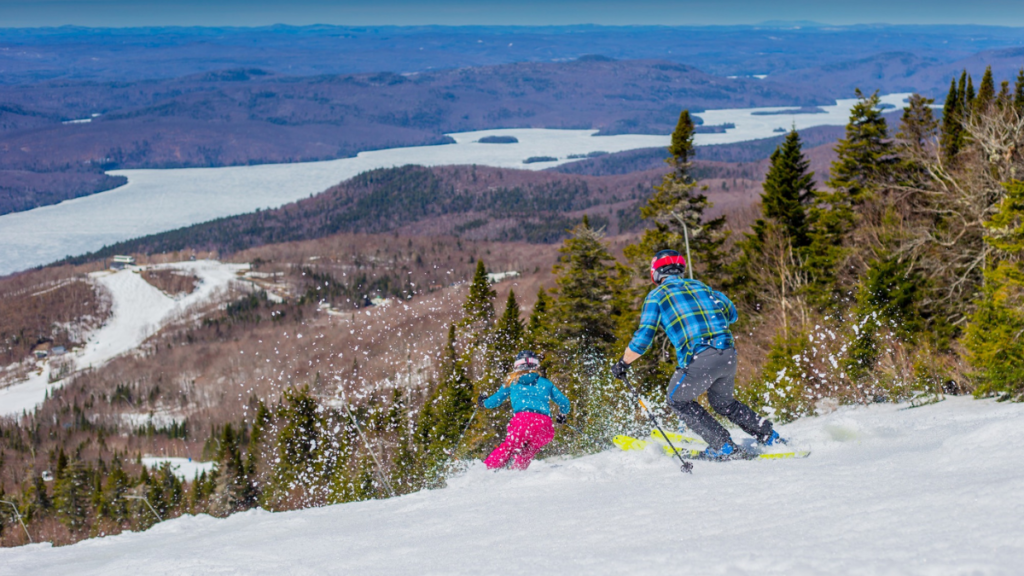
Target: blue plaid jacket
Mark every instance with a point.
(694, 317)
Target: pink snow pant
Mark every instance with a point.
(527, 434)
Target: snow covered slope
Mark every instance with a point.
(933, 490)
(138, 310)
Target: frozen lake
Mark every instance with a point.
(158, 200)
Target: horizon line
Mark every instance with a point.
(791, 25)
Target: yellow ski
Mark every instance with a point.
(677, 438)
(630, 443)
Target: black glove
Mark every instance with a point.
(561, 418)
(620, 370)
(480, 400)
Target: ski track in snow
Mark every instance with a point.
(158, 200)
(138, 310)
(930, 491)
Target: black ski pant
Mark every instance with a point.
(713, 371)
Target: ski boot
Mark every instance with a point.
(726, 452)
(774, 440)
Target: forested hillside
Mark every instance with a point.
(472, 202)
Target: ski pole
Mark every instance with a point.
(687, 467)
(686, 238)
(380, 469)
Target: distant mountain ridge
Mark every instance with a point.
(129, 54)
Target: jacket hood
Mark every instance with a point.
(528, 379)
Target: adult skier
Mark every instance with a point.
(696, 320)
(531, 428)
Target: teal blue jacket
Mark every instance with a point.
(530, 393)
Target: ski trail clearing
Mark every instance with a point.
(138, 310)
(933, 490)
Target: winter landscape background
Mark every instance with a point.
(339, 235)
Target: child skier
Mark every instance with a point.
(696, 320)
(531, 428)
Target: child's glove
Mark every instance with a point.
(620, 370)
(480, 400)
(561, 418)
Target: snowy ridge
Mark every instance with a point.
(138, 310)
(933, 490)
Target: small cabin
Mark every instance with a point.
(120, 262)
(41, 350)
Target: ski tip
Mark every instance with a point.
(784, 455)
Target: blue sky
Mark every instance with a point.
(17, 13)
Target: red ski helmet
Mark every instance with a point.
(526, 360)
(666, 263)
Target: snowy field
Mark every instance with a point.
(158, 200)
(138, 310)
(184, 468)
(932, 491)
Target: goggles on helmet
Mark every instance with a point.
(663, 259)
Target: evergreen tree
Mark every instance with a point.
(509, 335)
(681, 148)
(71, 494)
(865, 154)
(234, 489)
(865, 162)
(446, 411)
(581, 322)
(536, 327)
(770, 254)
(165, 490)
(917, 125)
(1004, 100)
(993, 335)
(891, 290)
(675, 202)
(1018, 93)
(888, 298)
(951, 124)
(581, 319)
(301, 467)
(479, 306)
(914, 140)
(407, 476)
(260, 422)
(986, 93)
(969, 95)
(788, 188)
(117, 485)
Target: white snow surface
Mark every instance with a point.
(138, 310)
(158, 200)
(934, 490)
(184, 468)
